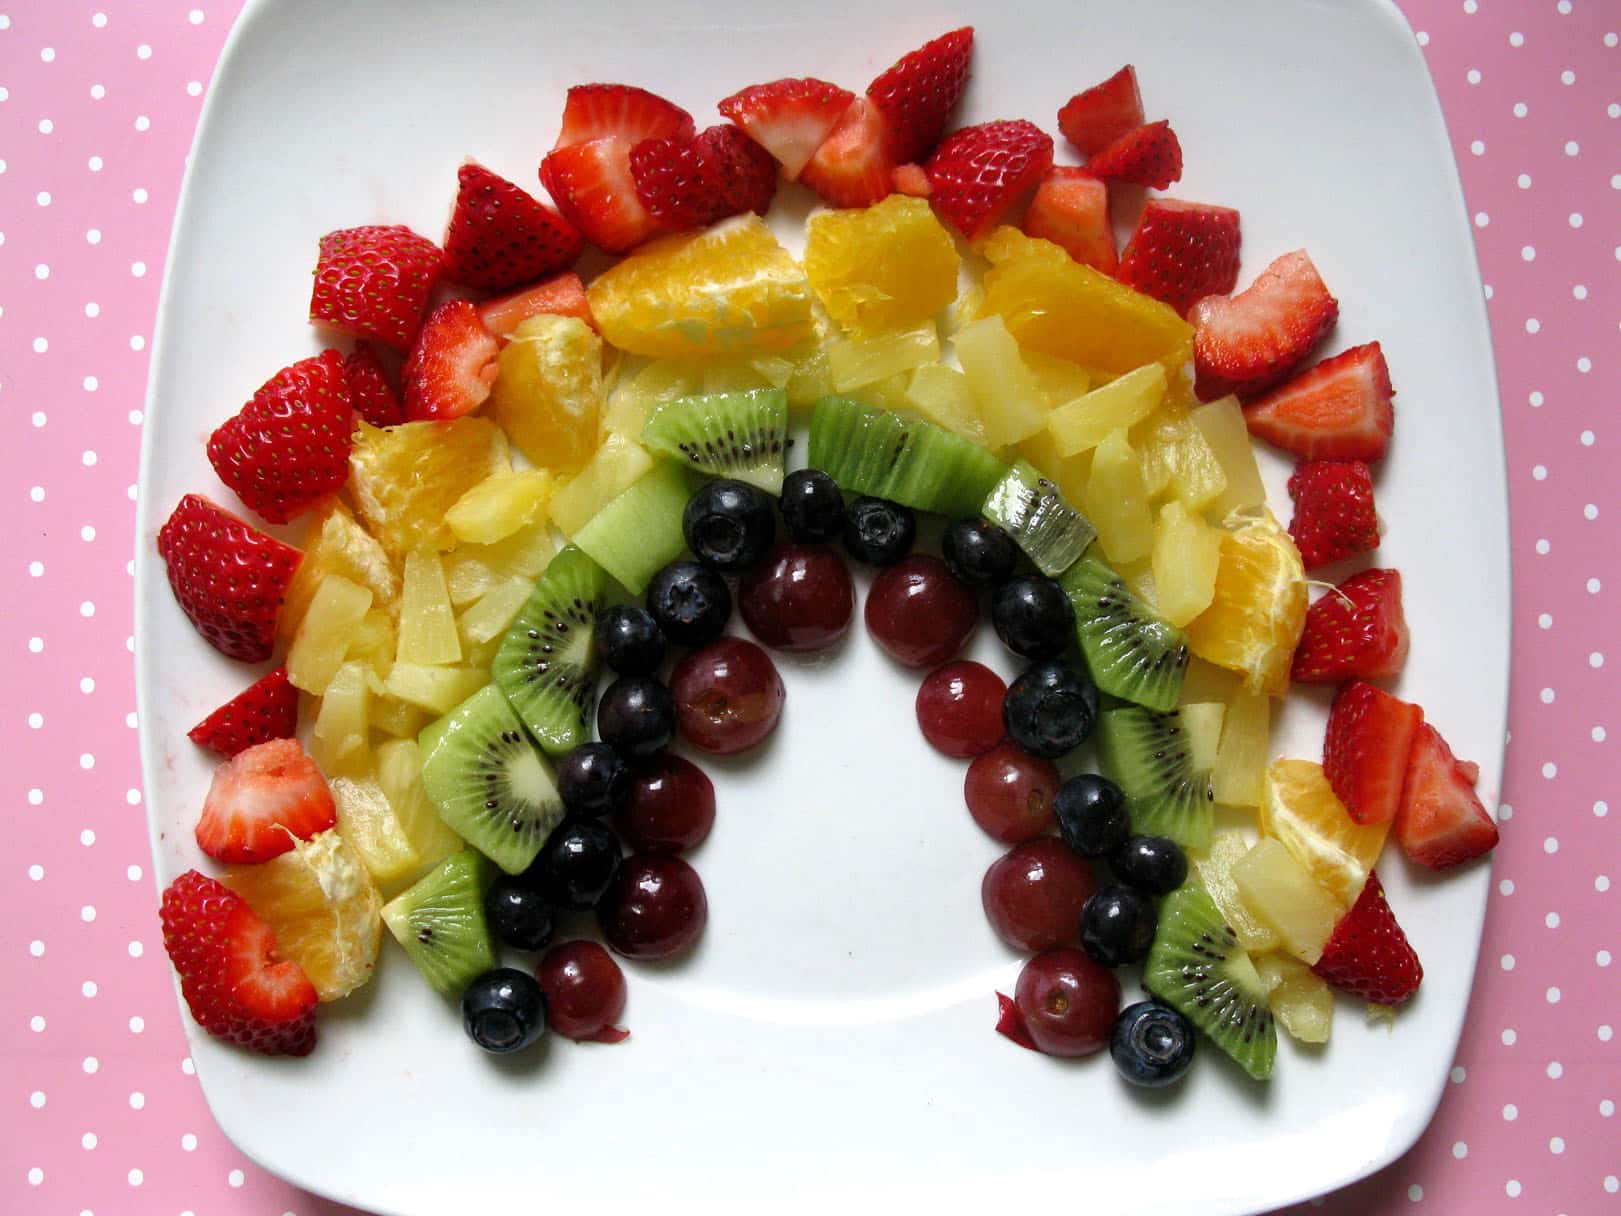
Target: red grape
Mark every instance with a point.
(1068, 1002)
(918, 613)
(655, 908)
(1033, 894)
(670, 807)
(585, 992)
(1010, 793)
(959, 708)
(728, 696)
(799, 598)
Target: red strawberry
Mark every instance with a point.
(1368, 955)
(452, 365)
(979, 172)
(1334, 516)
(499, 236)
(1182, 252)
(620, 111)
(737, 168)
(789, 118)
(562, 294)
(916, 95)
(265, 710)
(262, 802)
(1365, 750)
(1338, 410)
(853, 166)
(688, 184)
(229, 577)
(229, 974)
(374, 282)
(1356, 630)
(288, 447)
(373, 398)
(911, 179)
(1149, 155)
(1071, 208)
(593, 187)
(1094, 119)
(1250, 341)
(1441, 822)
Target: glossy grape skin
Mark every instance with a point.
(1050, 709)
(1033, 617)
(959, 708)
(728, 696)
(800, 598)
(1117, 926)
(518, 913)
(978, 552)
(670, 808)
(1152, 1044)
(812, 506)
(1068, 1002)
(593, 779)
(636, 715)
(656, 908)
(1151, 863)
(585, 992)
(690, 602)
(1092, 815)
(920, 615)
(1010, 793)
(1033, 894)
(629, 640)
(576, 864)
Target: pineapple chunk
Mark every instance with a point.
(617, 463)
(1115, 500)
(325, 633)
(1221, 423)
(1206, 682)
(473, 571)
(942, 396)
(372, 829)
(435, 689)
(427, 621)
(1201, 723)
(854, 362)
(336, 544)
(1068, 473)
(405, 478)
(1087, 421)
(340, 741)
(1139, 576)
(1060, 380)
(734, 375)
(498, 506)
(1180, 459)
(1185, 556)
(1302, 1003)
(1011, 404)
(374, 643)
(887, 394)
(1214, 865)
(1246, 737)
(660, 381)
(399, 772)
(490, 615)
(549, 391)
(774, 369)
(812, 379)
(482, 654)
(1278, 889)
(397, 718)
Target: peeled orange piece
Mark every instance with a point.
(1259, 608)
(1299, 810)
(888, 266)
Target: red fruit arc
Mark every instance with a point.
(799, 599)
(670, 808)
(918, 613)
(959, 709)
(1033, 894)
(585, 992)
(1067, 1002)
(1366, 749)
(728, 696)
(267, 709)
(655, 908)
(1010, 793)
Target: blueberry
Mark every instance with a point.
(1151, 862)
(879, 532)
(630, 640)
(593, 779)
(729, 525)
(636, 715)
(576, 865)
(1050, 709)
(1092, 815)
(1117, 926)
(812, 506)
(978, 552)
(504, 1010)
(1033, 617)
(518, 914)
(1152, 1044)
(691, 603)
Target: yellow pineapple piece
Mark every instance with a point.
(1059, 380)
(472, 571)
(1186, 556)
(1086, 421)
(1246, 737)
(398, 718)
(405, 478)
(1206, 682)
(399, 772)
(427, 621)
(1221, 424)
(1302, 1003)
(374, 643)
(617, 463)
(325, 633)
(775, 370)
(549, 391)
(942, 396)
(1154, 438)
(1299, 810)
(636, 397)
(1201, 724)
(435, 689)
(855, 362)
(498, 506)
(879, 268)
(1259, 609)
(1011, 405)
(372, 829)
(481, 654)
(812, 379)
(488, 617)
(736, 374)
(336, 544)
(1214, 865)
(1139, 576)
(1115, 500)
(1281, 892)
(340, 741)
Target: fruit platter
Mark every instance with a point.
(897, 607)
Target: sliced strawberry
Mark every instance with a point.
(1071, 208)
(1250, 341)
(1093, 119)
(1338, 410)
(288, 447)
(452, 366)
(978, 173)
(562, 294)
(229, 577)
(916, 95)
(1441, 822)
(853, 165)
(1181, 252)
(499, 236)
(1334, 513)
(620, 111)
(262, 802)
(1368, 955)
(1149, 155)
(594, 189)
(374, 282)
(692, 183)
(373, 398)
(1356, 630)
(1365, 750)
(911, 179)
(737, 168)
(789, 118)
(233, 983)
(265, 710)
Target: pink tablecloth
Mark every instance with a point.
(101, 1113)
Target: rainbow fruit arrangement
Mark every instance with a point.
(442, 631)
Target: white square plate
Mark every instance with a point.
(830, 1041)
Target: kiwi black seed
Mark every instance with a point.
(1132, 653)
(1033, 511)
(741, 435)
(1150, 757)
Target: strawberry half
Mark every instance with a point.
(500, 236)
(452, 366)
(1334, 513)
(593, 187)
(288, 447)
(1368, 955)
(1365, 750)
(737, 168)
(1071, 209)
(917, 94)
(263, 801)
(265, 710)
(979, 172)
(374, 282)
(1357, 630)
(229, 577)
(1149, 155)
(1441, 822)
(1248, 342)
(563, 295)
(1181, 252)
(233, 983)
(1338, 410)
(692, 183)
(789, 118)
(620, 111)
(1096, 117)
(853, 166)
(373, 398)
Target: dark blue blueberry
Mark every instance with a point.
(518, 914)
(630, 640)
(812, 506)
(1092, 815)
(1033, 617)
(593, 779)
(1152, 863)
(504, 1010)
(1117, 926)
(978, 553)
(1152, 1044)
(729, 525)
(576, 865)
(1050, 709)
(636, 715)
(879, 532)
(690, 602)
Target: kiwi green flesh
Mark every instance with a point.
(1132, 654)
(742, 435)
(489, 782)
(440, 922)
(1197, 966)
(1147, 755)
(547, 662)
(1031, 509)
(639, 531)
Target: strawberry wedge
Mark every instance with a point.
(789, 118)
(1181, 252)
(370, 393)
(620, 111)
(1247, 343)
(1368, 955)
(1441, 822)
(563, 295)
(918, 92)
(854, 166)
(265, 710)
(1150, 155)
(452, 366)
(1071, 209)
(1094, 118)
(1365, 750)
(978, 173)
(1338, 410)
(1356, 631)
(499, 236)
(1334, 513)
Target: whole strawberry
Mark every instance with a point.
(1368, 955)
(499, 236)
(373, 398)
(374, 282)
(265, 710)
(1334, 513)
(1357, 630)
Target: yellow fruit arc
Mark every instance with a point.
(406, 478)
(1254, 621)
(888, 266)
(548, 394)
(1299, 810)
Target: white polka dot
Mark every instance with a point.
(1612, 1184)
(1579, 291)
(87, 837)
(36, 872)
(87, 609)
(36, 1024)
(1469, 6)
(1552, 995)
(35, 645)
(136, 417)
(1520, 109)
(187, 1067)
(47, 54)
(139, 194)
(91, 1064)
(1512, 1187)
(1584, 364)
(92, 309)
(1482, 219)
(138, 269)
(188, 1142)
(1590, 511)
(1596, 659)
(137, 1024)
(99, 20)
(133, 873)
(1532, 325)
(1572, 147)
(37, 493)
(1602, 958)
(87, 761)
(1609, 39)
(97, 92)
(137, 1100)
(1551, 920)
(41, 345)
(46, 126)
(1478, 147)
(136, 342)
(1615, 181)
(1535, 399)
(88, 1140)
(1509, 1037)
(35, 1176)
(1613, 109)
(1423, 38)
(36, 948)
(1473, 74)
(42, 272)
(36, 569)
(1564, 8)
(1458, 1074)
(35, 797)
(1575, 219)
(36, 1099)
(195, 16)
(1528, 253)
(136, 1177)
(1516, 39)
(1555, 1070)
(1506, 887)
(1601, 883)
(235, 1178)
(1415, 1193)
(1486, 289)
(194, 88)
(87, 913)
(136, 949)
(36, 720)
(129, 718)
(1594, 586)
(133, 797)
(143, 51)
(88, 988)
(1550, 844)
(1511, 1113)
(1550, 770)
(1547, 696)
(1605, 1033)
(1460, 1150)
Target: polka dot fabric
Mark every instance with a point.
(103, 1114)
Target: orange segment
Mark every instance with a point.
(888, 266)
(1254, 621)
(1300, 810)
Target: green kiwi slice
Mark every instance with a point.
(742, 435)
(1151, 758)
(490, 783)
(547, 662)
(639, 532)
(1197, 966)
(1132, 654)
(1030, 509)
(440, 922)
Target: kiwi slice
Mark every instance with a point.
(639, 532)
(1029, 508)
(490, 783)
(1197, 966)
(742, 435)
(440, 922)
(1153, 760)
(1132, 654)
(547, 663)
(915, 463)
